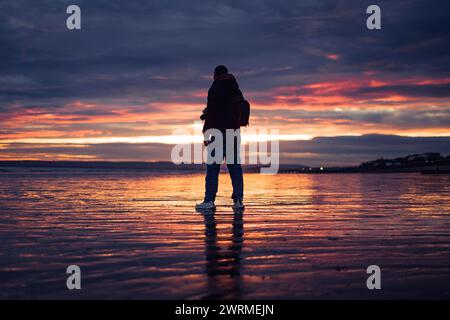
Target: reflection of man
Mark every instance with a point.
(223, 264)
(223, 112)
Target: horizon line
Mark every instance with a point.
(190, 139)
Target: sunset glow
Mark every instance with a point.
(306, 81)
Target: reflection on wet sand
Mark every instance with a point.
(137, 235)
(223, 262)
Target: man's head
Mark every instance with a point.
(220, 70)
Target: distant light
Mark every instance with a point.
(321, 168)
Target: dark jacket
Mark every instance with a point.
(224, 101)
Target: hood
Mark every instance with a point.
(228, 76)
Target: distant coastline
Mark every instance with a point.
(163, 166)
(425, 163)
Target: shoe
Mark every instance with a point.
(205, 206)
(238, 204)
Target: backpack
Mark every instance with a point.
(245, 113)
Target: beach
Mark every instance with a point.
(136, 235)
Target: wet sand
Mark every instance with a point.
(138, 236)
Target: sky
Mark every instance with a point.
(117, 89)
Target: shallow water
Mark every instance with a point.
(137, 235)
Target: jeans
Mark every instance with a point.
(235, 170)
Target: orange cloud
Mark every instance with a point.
(355, 96)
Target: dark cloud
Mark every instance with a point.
(123, 46)
(420, 117)
(435, 90)
(326, 151)
(107, 151)
(356, 149)
(132, 55)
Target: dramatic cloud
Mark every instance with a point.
(323, 151)
(352, 150)
(142, 68)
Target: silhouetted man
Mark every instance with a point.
(223, 112)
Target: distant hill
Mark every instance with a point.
(426, 163)
(413, 162)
